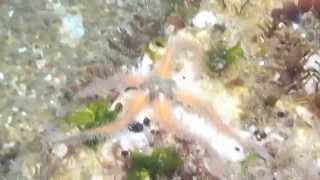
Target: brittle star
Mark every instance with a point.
(159, 90)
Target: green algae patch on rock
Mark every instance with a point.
(248, 162)
(220, 57)
(234, 53)
(163, 161)
(142, 174)
(155, 49)
(94, 114)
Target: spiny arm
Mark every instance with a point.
(164, 67)
(163, 113)
(103, 87)
(176, 45)
(203, 107)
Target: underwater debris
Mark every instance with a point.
(288, 54)
(163, 161)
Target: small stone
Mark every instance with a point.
(22, 50)
(60, 150)
(146, 121)
(124, 153)
(135, 127)
(48, 77)
(41, 63)
(1, 76)
(204, 19)
(23, 113)
(281, 114)
(260, 135)
(10, 12)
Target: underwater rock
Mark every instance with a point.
(60, 150)
(8, 152)
(204, 19)
(71, 29)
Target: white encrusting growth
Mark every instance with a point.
(204, 19)
(72, 28)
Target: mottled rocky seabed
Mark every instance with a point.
(51, 50)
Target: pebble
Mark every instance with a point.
(15, 109)
(135, 127)
(41, 63)
(260, 135)
(1, 76)
(48, 77)
(10, 12)
(204, 19)
(146, 121)
(60, 150)
(22, 50)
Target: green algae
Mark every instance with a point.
(248, 162)
(163, 161)
(220, 57)
(142, 174)
(155, 48)
(94, 114)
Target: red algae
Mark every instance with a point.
(305, 5)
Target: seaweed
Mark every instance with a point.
(163, 161)
(249, 161)
(155, 49)
(220, 57)
(141, 174)
(92, 115)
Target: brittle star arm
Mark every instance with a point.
(163, 112)
(202, 107)
(164, 67)
(117, 82)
